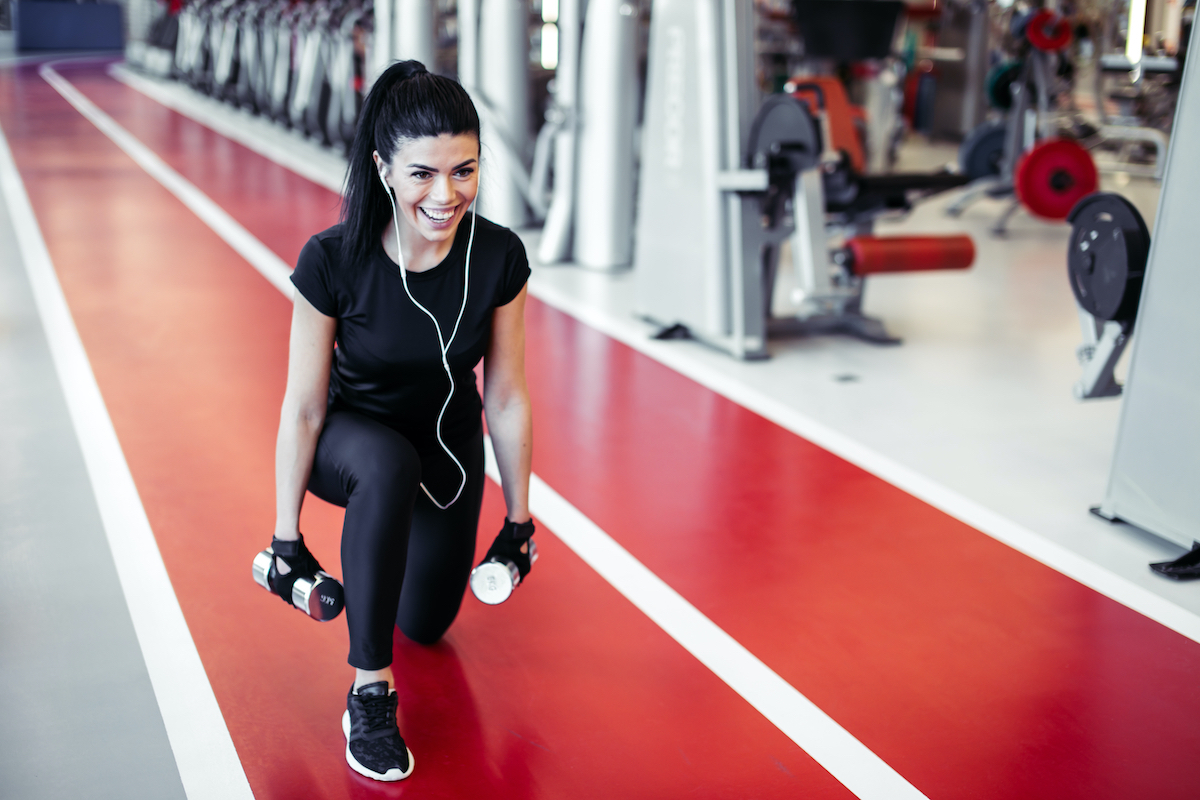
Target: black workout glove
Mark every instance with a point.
(512, 544)
(300, 561)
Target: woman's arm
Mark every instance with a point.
(310, 355)
(506, 404)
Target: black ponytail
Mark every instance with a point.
(406, 102)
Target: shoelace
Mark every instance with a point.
(379, 712)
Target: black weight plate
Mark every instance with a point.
(784, 132)
(1106, 257)
(999, 84)
(982, 151)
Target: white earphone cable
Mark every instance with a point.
(443, 345)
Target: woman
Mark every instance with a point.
(387, 423)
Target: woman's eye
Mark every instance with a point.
(420, 175)
(465, 172)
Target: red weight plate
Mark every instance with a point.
(1054, 176)
(1048, 31)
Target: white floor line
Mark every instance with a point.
(286, 148)
(628, 332)
(956, 505)
(833, 747)
(248, 247)
(829, 744)
(208, 764)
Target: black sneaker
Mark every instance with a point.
(374, 746)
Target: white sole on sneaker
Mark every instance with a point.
(390, 775)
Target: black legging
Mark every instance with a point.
(405, 562)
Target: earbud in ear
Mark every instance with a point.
(383, 179)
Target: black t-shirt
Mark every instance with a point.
(387, 364)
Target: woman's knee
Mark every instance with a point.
(426, 628)
(380, 460)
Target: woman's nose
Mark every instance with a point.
(442, 190)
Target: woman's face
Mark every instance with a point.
(434, 178)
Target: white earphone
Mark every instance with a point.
(443, 344)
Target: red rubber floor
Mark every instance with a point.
(971, 669)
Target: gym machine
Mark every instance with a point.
(961, 57)
(303, 64)
(1152, 483)
(1141, 86)
(727, 180)
(1128, 127)
(1022, 156)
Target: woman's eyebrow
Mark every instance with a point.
(434, 169)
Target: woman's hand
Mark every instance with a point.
(310, 355)
(506, 404)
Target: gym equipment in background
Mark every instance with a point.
(1106, 262)
(961, 61)
(1145, 103)
(320, 596)
(1024, 156)
(1052, 177)
(302, 65)
(1152, 482)
(729, 185)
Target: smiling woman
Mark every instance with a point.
(394, 308)
(433, 190)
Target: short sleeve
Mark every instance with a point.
(516, 271)
(313, 278)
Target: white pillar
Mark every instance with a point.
(555, 244)
(468, 44)
(604, 197)
(503, 93)
(415, 35)
(383, 46)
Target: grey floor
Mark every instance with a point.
(79, 715)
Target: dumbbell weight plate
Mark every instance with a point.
(1053, 176)
(321, 599)
(1048, 31)
(1106, 257)
(493, 581)
(260, 568)
(982, 151)
(999, 84)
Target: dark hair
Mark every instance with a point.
(406, 102)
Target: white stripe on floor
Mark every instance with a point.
(829, 744)
(248, 247)
(208, 764)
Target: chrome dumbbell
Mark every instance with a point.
(493, 581)
(320, 596)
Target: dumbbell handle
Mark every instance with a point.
(321, 596)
